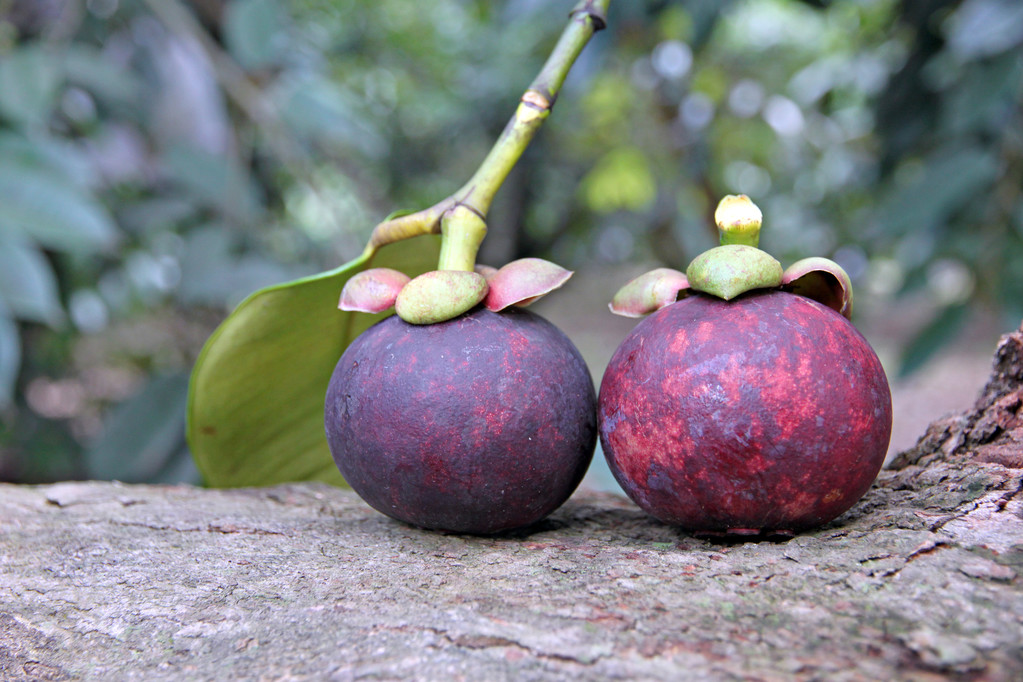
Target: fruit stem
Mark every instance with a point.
(463, 231)
(535, 106)
(427, 221)
(476, 196)
(739, 220)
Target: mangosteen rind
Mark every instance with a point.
(480, 424)
(766, 412)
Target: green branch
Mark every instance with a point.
(586, 18)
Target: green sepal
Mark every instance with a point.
(440, 295)
(733, 269)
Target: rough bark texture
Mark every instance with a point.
(919, 581)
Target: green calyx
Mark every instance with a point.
(737, 266)
(454, 287)
(440, 295)
(733, 269)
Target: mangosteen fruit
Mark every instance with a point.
(747, 402)
(463, 412)
(478, 424)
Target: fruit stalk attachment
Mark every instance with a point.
(460, 218)
(735, 267)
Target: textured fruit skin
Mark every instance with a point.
(766, 413)
(480, 424)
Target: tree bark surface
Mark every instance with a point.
(919, 581)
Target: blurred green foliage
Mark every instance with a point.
(160, 159)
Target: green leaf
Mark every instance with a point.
(10, 356)
(400, 213)
(622, 180)
(91, 69)
(29, 82)
(253, 31)
(28, 284)
(211, 273)
(982, 28)
(984, 97)
(154, 215)
(56, 214)
(318, 108)
(143, 435)
(932, 338)
(215, 180)
(951, 178)
(54, 155)
(255, 405)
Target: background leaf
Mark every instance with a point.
(318, 109)
(211, 273)
(53, 155)
(87, 67)
(145, 435)
(982, 28)
(255, 413)
(10, 356)
(214, 179)
(952, 177)
(52, 212)
(29, 82)
(27, 283)
(252, 31)
(948, 322)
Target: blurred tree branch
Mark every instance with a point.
(249, 97)
(210, 11)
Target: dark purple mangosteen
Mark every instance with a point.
(742, 404)
(463, 412)
(478, 424)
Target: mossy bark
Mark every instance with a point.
(919, 581)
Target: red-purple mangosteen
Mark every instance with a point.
(482, 423)
(747, 402)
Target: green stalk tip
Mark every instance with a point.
(739, 220)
